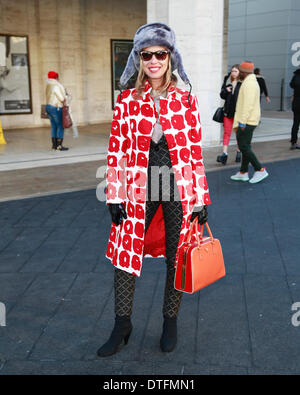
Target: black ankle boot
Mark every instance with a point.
(168, 338)
(54, 143)
(60, 146)
(222, 158)
(238, 157)
(121, 331)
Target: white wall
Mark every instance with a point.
(198, 25)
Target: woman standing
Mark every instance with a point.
(55, 97)
(229, 92)
(154, 150)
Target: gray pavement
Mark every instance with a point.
(29, 148)
(57, 287)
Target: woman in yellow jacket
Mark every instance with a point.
(246, 118)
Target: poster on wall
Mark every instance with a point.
(120, 50)
(15, 89)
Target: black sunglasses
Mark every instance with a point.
(160, 55)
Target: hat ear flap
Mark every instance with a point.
(174, 60)
(132, 65)
(180, 69)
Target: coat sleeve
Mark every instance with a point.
(264, 87)
(59, 93)
(224, 92)
(199, 177)
(292, 83)
(116, 156)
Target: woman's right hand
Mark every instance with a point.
(117, 212)
(201, 213)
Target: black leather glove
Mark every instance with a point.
(117, 212)
(202, 215)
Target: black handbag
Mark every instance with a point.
(219, 115)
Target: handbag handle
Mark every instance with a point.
(199, 236)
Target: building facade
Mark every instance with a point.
(268, 33)
(74, 38)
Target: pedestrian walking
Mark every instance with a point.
(55, 98)
(229, 93)
(247, 116)
(155, 130)
(262, 85)
(295, 84)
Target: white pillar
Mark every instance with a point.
(198, 25)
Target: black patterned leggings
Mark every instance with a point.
(124, 283)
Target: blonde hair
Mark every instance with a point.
(169, 79)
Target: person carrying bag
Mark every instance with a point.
(156, 131)
(229, 92)
(55, 98)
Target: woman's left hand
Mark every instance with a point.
(202, 215)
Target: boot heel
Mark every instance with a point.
(121, 332)
(238, 157)
(168, 338)
(224, 160)
(126, 338)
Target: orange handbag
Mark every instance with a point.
(202, 262)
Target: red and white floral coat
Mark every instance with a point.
(127, 165)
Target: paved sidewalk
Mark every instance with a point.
(30, 148)
(28, 168)
(45, 180)
(58, 287)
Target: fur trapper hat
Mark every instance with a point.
(147, 36)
